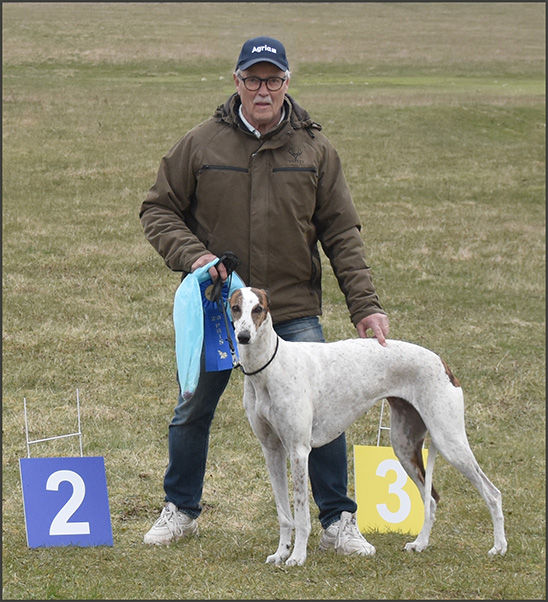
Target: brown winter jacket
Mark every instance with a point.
(269, 200)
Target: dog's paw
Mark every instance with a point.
(276, 558)
(295, 560)
(413, 546)
(498, 550)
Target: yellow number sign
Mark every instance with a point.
(387, 498)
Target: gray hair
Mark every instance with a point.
(287, 73)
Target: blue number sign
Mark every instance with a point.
(66, 502)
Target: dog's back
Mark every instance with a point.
(353, 375)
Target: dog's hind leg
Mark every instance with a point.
(421, 542)
(448, 433)
(407, 432)
(455, 448)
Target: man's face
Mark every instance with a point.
(262, 108)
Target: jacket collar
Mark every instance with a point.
(295, 115)
(248, 125)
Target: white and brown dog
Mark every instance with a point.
(303, 395)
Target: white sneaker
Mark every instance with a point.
(345, 537)
(171, 526)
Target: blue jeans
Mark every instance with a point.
(189, 439)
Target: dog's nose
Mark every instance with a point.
(243, 337)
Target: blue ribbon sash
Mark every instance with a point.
(216, 347)
(191, 323)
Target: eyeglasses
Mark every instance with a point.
(254, 83)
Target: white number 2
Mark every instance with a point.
(60, 524)
(397, 489)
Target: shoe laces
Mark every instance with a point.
(348, 529)
(169, 519)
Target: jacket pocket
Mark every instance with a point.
(294, 169)
(222, 168)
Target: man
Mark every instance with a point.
(261, 180)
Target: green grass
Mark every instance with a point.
(438, 112)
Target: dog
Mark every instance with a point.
(303, 395)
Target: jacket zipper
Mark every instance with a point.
(223, 167)
(308, 169)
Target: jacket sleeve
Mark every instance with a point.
(165, 212)
(338, 226)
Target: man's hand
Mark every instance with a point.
(205, 259)
(378, 323)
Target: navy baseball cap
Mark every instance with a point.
(258, 50)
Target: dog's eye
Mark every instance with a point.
(258, 309)
(235, 309)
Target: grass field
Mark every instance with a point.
(438, 112)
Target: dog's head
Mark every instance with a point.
(250, 309)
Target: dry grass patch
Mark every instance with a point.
(442, 136)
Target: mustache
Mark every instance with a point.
(262, 100)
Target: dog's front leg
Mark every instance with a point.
(299, 472)
(276, 463)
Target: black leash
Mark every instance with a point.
(231, 262)
(214, 293)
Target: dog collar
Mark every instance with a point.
(267, 363)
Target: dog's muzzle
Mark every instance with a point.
(244, 337)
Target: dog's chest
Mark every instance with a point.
(280, 402)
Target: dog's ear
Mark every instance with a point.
(267, 297)
(236, 295)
